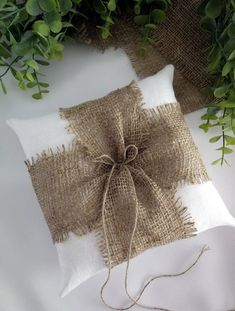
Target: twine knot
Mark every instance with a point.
(129, 155)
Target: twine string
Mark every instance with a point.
(130, 153)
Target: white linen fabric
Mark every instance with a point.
(80, 257)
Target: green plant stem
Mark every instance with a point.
(64, 33)
(36, 78)
(223, 139)
(10, 66)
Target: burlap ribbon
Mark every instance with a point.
(120, 176)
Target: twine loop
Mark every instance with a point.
(129, 155)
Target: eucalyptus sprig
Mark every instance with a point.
(29, 39)
(218, 18)
(32, 32)
(149, 14)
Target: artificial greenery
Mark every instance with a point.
(218, 18)
(32, 32)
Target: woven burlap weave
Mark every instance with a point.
(179, 41)
(152, 151)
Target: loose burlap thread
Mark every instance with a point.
(142, 154)
(179, 40)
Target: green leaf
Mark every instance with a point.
(214, 58)
(47, 5)
(141, 19)
(201, 7)
(43, 41)
(39, 51)
(216, 161)
(31, 84)
(226, 69)
(227, 104)
(208, 24)
(100, 7)
(231, 94)
(43, 84)
(230, 140)
(137, 9)
(4, 51)
(229, 47)
(11, 37)
(56, 26)
(22, 85)
(225, 150)
(3, 87)
(67, 24)
(212, 111)
(206, 117)
(32, 63)
(105, 33)
(53, 19)
(205, 127)
(3, 27)
(158, 16)
(33, 8)
(55, 45)
(37, 95)
(215, 139)
(224, 120)
(19, 76)
(13, 72)
(42, 62)
(23, 16)
(231, 31)
(21, 48)
(41, 27)
(221, 91)
(214, 8)
(3, 3)
(150, 26)
(112, 5)
(29, 76)
(109, 20)
(57, 55)
(232, 55)
(65, 6)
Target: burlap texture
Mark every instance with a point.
(152, 151)
(179, 41)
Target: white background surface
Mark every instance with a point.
(29, 270)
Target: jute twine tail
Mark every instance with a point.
(106, 159)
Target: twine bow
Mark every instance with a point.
(129, 155)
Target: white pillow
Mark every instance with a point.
(37, 134)
(80, 257)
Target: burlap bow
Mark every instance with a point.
(120, 176)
